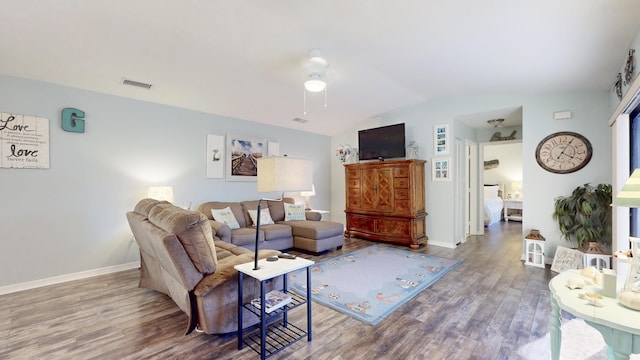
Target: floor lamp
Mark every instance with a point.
(280, 174)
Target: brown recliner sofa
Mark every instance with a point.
(180, 257)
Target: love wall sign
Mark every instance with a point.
(24, 141)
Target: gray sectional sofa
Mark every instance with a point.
(311, 235)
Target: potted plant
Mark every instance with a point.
(585, 216)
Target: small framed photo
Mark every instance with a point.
(215, 156)
(441, 169)
(441, 139)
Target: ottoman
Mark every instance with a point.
(317, 236)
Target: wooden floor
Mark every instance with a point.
(486, 308)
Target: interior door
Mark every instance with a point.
(471, 206)
(460, 223)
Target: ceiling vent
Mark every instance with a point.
(136, 83)
(301, 121)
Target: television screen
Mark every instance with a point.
(384, 142)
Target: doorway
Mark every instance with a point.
(480, 130)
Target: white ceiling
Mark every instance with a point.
(244, 59)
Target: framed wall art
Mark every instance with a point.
(441, 139)
(24, 141)
(241, 157)
(215, 156)
(440, 169)
(273, 148)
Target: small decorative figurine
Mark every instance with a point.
(412, 150)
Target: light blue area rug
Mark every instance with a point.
(370, 283)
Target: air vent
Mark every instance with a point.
(301, 121)
(136, 83)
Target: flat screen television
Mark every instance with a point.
(386, 142)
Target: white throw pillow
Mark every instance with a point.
(265, 216)
(491, 191)
(294, 212)
(225, 216)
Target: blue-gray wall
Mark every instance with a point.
(70, 218)
(591, 111)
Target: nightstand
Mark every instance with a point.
(513, 209)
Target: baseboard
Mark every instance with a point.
(441, 244)
(67, 277)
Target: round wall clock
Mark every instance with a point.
(563, 152)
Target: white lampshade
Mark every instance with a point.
(161, 193)
(309, 193)
(281, 173)
(629, 195)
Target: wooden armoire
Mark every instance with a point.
(385, 201)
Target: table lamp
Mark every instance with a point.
(629, 196)
(307, 196)
(161, 193)
(515, 187)
(280, 174)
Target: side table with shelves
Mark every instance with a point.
(513, 209)
(275, 332)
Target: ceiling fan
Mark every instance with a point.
(315, 70)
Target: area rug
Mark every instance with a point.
(370, 283)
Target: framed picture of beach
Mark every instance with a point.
(242, 155)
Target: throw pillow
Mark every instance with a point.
(225, 216)
(265, 216)
(294, 212)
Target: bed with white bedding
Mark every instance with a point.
(493, 203)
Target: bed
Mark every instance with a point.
(493, 203)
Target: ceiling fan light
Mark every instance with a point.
(315, 84)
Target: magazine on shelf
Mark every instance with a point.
(275, 299)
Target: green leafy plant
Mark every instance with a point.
(585, 215)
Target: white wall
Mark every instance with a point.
(509, 170)
(71, 217)
(591, 111)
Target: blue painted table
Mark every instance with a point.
(619, 325)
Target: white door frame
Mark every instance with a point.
(472, 214)
(460, 223)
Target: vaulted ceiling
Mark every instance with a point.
(245, 58)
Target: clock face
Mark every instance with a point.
(563, 152)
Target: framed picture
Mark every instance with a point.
(441, 139)
(241, 157)
(215, 156)
(441, 169)
(274, 148)
(24, 141)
